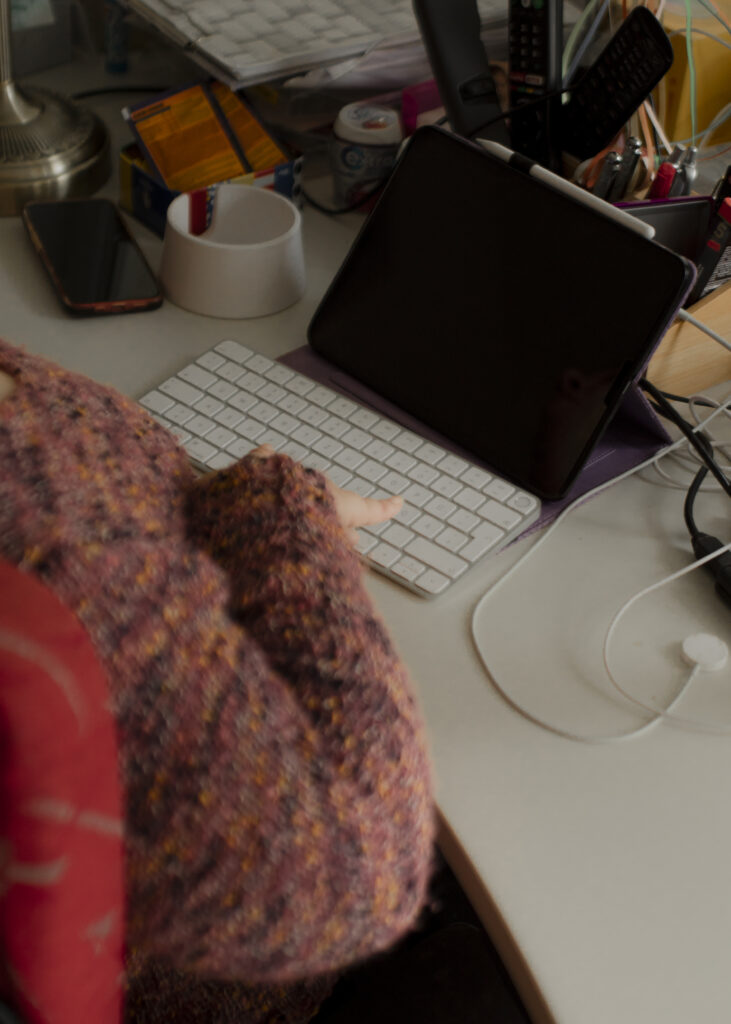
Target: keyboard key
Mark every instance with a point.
(199, 449)
(397, 534)
(385, 430)
(251, 381)
(363, 418)
(349, 458)
(232, 350)
(222, 389)
(292, 404)
(407, 514)
(272, 393)
(423, 474)
(452, 465)
(408, 568)
(357, 484)
(279, 374)
(181, 391)
(393, 483)
(295, 451)
(433, 582)
(243, 401)
(451, 539)
(199, 425)
(468, 498)
(499, 489)
(479, 546)
(430, 453)
(328, 447)
(464, 520)
(313, 415)
(321, 396)
(407, 441)
(417, 495)
(197, 376)
(342, 407)
(156, 402)
(440, 507)
(263, 411)
(475, 477)
(522, 502)
(250, 429)
(447, 486)
(300, 386)
(228, 417)
(210, 360)
(401, 462)
(366, 541)
(428, 526)
(379, 450)
(372, 470)
(208, 405)
(384, 554)
(220, 437)
(334, 426)
(180, 414)
(259, 363)
(340, 476)
(436, 557)
(221, 460)
(230, 371)
(499, 514)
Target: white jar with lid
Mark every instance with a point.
(366, 140)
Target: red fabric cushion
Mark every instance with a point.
(61, 897)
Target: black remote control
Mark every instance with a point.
(535, 34)
(620, 79)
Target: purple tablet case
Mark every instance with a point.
(634, 434)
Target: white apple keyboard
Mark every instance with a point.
(231, 399)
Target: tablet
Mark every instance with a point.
(496, 309)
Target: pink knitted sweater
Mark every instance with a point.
(279, 818)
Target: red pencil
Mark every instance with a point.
(198, 211)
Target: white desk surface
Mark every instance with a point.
(603, 872)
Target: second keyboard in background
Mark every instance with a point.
(249, 41)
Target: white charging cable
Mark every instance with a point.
(658, 714)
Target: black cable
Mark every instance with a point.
(522, 106)
(690, 501)
(705, 544)
(514, 110)
(698, 441)
(684, 398)
(109, 89)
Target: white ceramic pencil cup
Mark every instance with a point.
(249, 261)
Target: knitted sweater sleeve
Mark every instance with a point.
(304, 836)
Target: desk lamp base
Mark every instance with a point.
(50, 148)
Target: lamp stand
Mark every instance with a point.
(50, 147)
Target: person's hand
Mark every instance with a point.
(353, 510)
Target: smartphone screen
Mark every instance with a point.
(93, 261)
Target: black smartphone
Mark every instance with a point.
(93, 261)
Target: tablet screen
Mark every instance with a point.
(498, 311)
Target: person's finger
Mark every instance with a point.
(375, 510)
(354, 510)
(263, 451)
